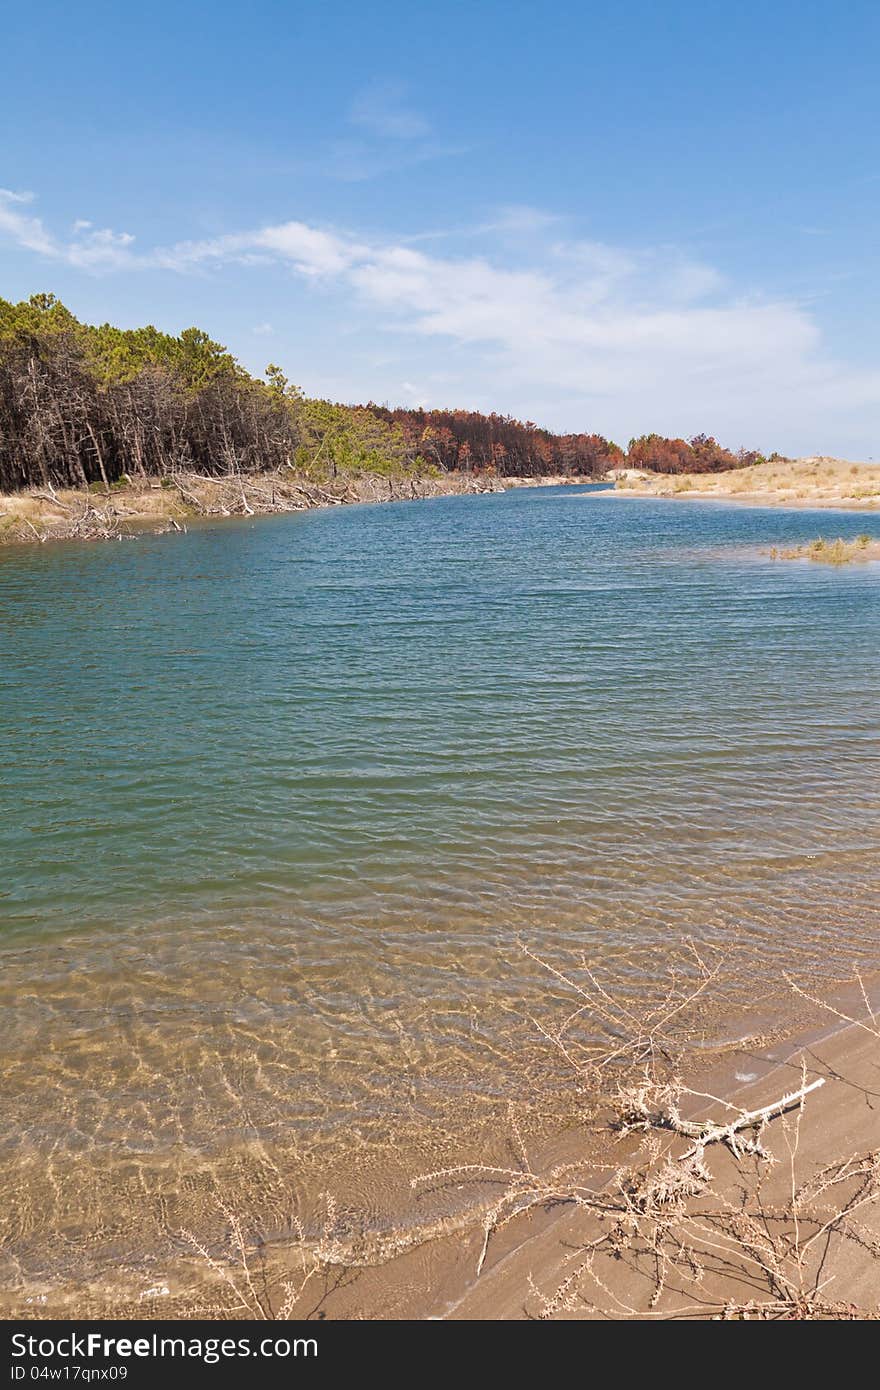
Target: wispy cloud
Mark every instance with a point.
(355, 160)
(383, 133)
(88, 247)
(383, 109)
(519, 219)
(648, 335)
(16, 223)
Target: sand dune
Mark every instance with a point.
(804, 482)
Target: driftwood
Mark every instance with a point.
(233, 495)
(52, 497)
(639, 1115)
(314, 491)
(187, 495)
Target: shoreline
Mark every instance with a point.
(157, 507)
(812, 483)
(431, 1272)
(828, 1131)
(172, 504)
(37, 516)
(529, 1256)
(756, 499)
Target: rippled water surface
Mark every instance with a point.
(281, 802)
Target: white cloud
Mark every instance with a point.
(99, 249)
(15, 223)
(577, 333)
(312, 252)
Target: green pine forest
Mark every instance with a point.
(84, 406)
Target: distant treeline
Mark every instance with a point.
(83, 405)
(702, 454)
(465, 440)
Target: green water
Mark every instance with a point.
(281, 802)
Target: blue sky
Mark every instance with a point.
(612, 217)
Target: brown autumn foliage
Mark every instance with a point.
(85, 406)
(701, 454)
(467, 440)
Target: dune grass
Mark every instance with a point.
(831, 552)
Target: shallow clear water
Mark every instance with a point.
(280, 801)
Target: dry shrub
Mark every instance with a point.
(662, 1223)
(253, 1286)
(661, 1233)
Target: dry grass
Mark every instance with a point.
(836, 552)
(806, 481)
(253, 1285)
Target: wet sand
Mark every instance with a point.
(839, 1121)
(426, 1266)
(530, 1259)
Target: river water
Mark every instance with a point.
(286, 804)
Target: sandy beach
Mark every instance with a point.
(818, 482)
(602, 1225)
(742, 1247)
(764, 1238)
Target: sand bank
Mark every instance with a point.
(75, 514)
(831, 552)
(807, 482)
